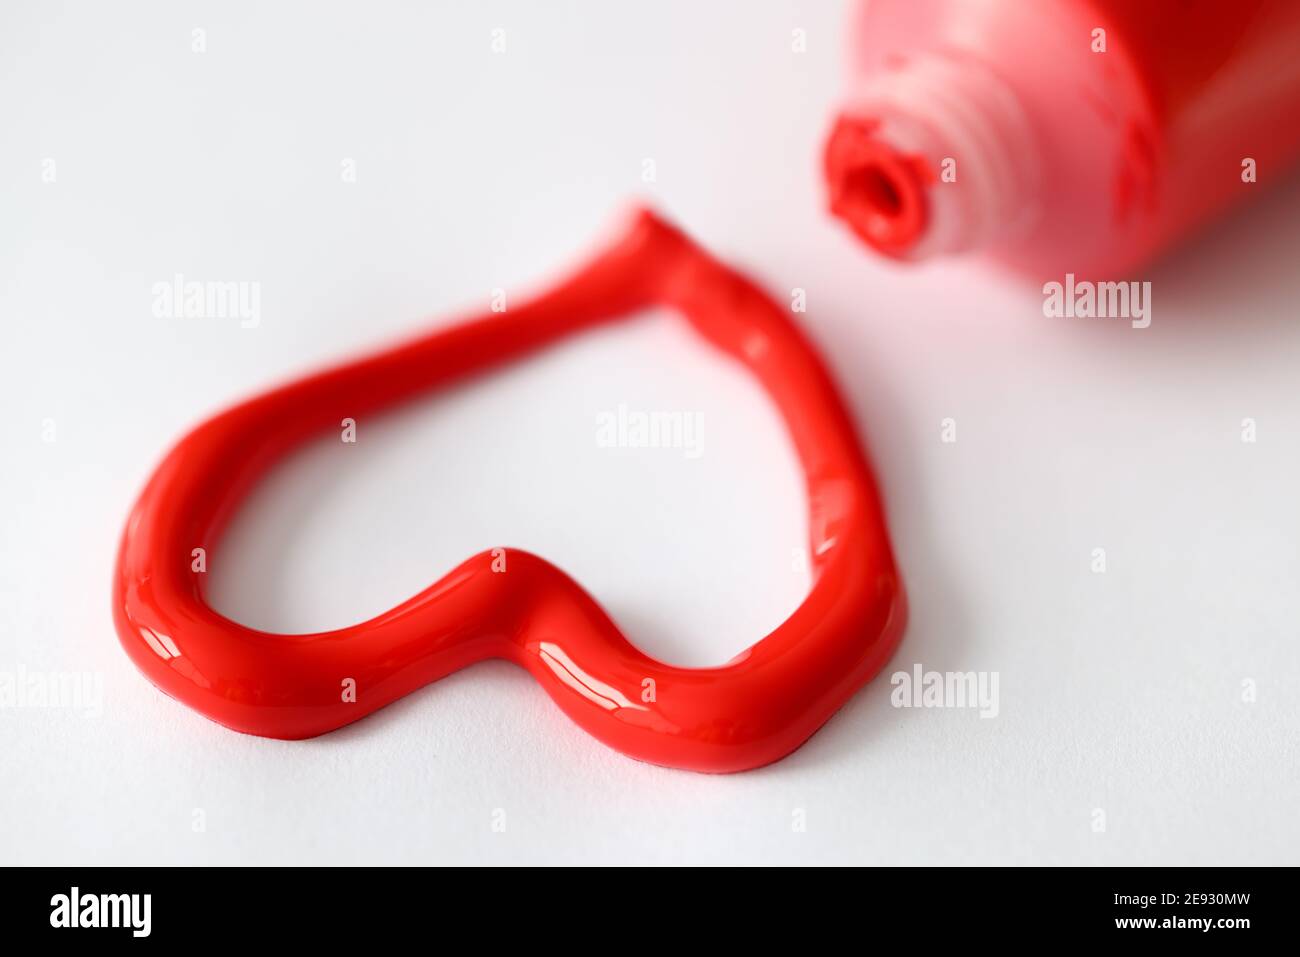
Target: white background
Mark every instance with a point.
(1120, 691)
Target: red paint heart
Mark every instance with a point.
(510, 604)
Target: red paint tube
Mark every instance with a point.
(1082, 135)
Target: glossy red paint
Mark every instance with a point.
(879, 190)
(510, 604)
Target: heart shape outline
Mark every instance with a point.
(508, 603)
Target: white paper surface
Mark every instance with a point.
(1119, 692)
